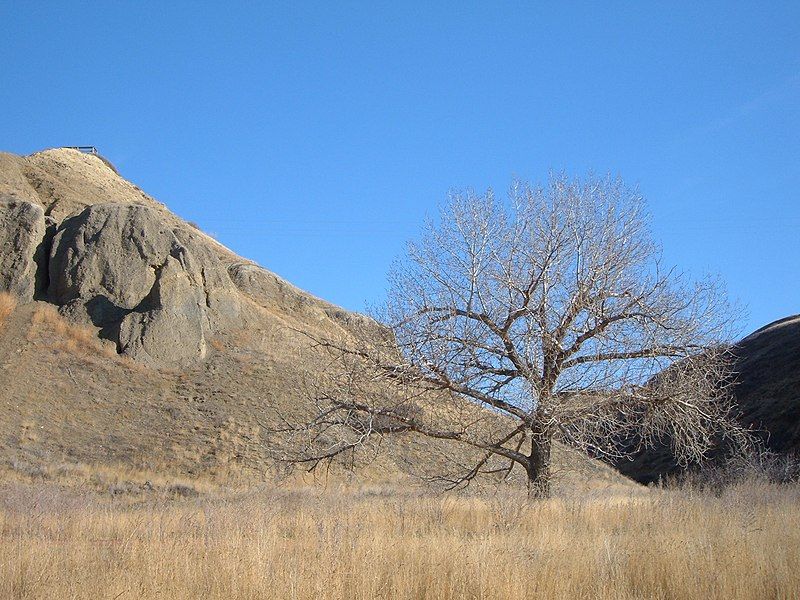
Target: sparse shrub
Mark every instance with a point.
(28, 469)
(123, 488)
(183, 491)
(108, 163)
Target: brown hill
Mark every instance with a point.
(139, 347)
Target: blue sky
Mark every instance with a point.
(315, 137)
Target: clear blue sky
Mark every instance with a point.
(315, 137)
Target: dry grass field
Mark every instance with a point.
(316, 543)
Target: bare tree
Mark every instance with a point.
(545, 318)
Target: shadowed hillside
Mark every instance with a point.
(767, 394)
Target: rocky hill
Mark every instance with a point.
(133, 343)
(76, 235)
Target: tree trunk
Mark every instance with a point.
(539, 467)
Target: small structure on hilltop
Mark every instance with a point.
(93, 151)
(86, 149)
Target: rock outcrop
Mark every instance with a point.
(171, 327)
(22, 245)
(267, 289)
(154, 289)
(79, 236)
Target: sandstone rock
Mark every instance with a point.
(77, 234)
(158, 290)
(110, 250)
(269, 290)
(222, 298)
(172, 331)
(22, 233)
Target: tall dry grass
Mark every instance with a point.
(315, 544)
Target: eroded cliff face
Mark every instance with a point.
(22, 247)
(77, 235)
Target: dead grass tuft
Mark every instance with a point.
(8, 302)
(75, 339)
